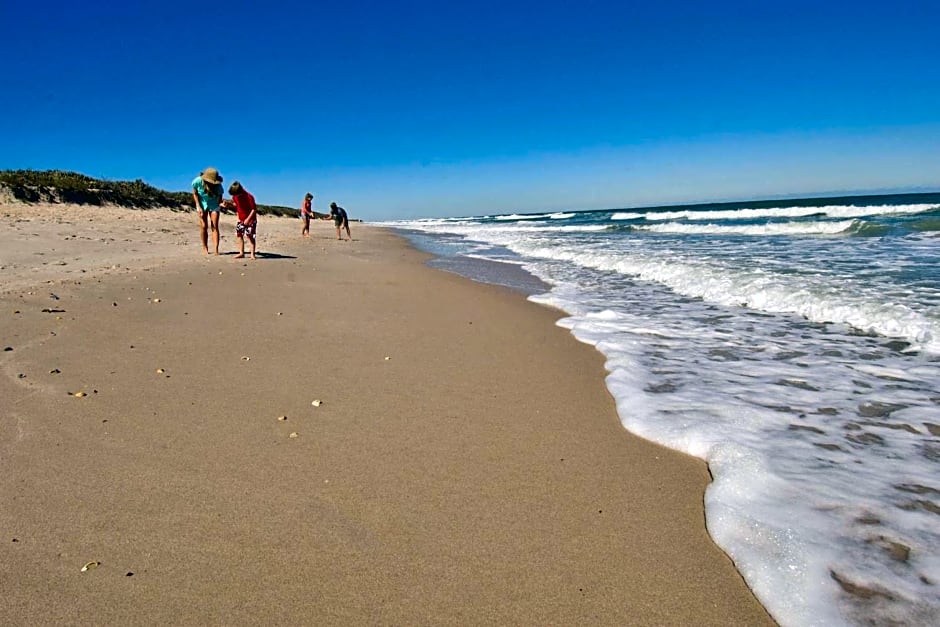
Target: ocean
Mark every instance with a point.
(794, 345)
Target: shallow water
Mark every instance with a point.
(795, 348)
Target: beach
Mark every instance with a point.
(464, 463)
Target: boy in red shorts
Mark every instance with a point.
(247, 218)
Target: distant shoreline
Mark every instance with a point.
(67, 187)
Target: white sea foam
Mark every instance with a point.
(504, 230)
(567, 228)
(832, 211)
(773, 228)
(561, 216)
(812, 295)
(789, 532)
(745, 351)
(485, 257)
(814, 298)
(524, 216)
(627, 216)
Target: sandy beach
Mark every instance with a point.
(465, 463)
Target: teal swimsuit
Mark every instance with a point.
(208, 202)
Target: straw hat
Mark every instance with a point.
(211, 175)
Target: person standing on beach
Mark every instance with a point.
(340, 220)
(306, 213)
(247, 212)
(207, 194)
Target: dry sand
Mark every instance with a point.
(466, 464)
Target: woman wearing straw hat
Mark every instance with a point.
(207, 194)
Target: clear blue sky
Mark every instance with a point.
(405, 108)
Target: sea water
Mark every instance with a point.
(792, 345)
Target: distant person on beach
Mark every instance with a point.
(340, 220)
(207, 194)
(306, 213)
(247, 212)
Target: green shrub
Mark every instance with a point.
(59, 186)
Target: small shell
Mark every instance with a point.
(317, 403)
(293, 434)
(156, 300)
(90, 566)
(246, 358)
(282, 418)
(79, 394)
(160, 370)
(387, 358)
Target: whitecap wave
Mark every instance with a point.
(627, 216)
(832, 211)
(773, 228)
(523, 216)
(811, 297)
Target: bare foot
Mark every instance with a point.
(253, 257)
(240, 256)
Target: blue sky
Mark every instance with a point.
(410, 109)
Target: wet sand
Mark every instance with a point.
(466, 464)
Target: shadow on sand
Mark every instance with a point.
(260, 255)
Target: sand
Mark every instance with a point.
(466, 464)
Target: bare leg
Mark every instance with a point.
(348, 234)
(203, 230)
(338, 236)
(214, 218)
(251, 241)
(241, 247)
(306, 230)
